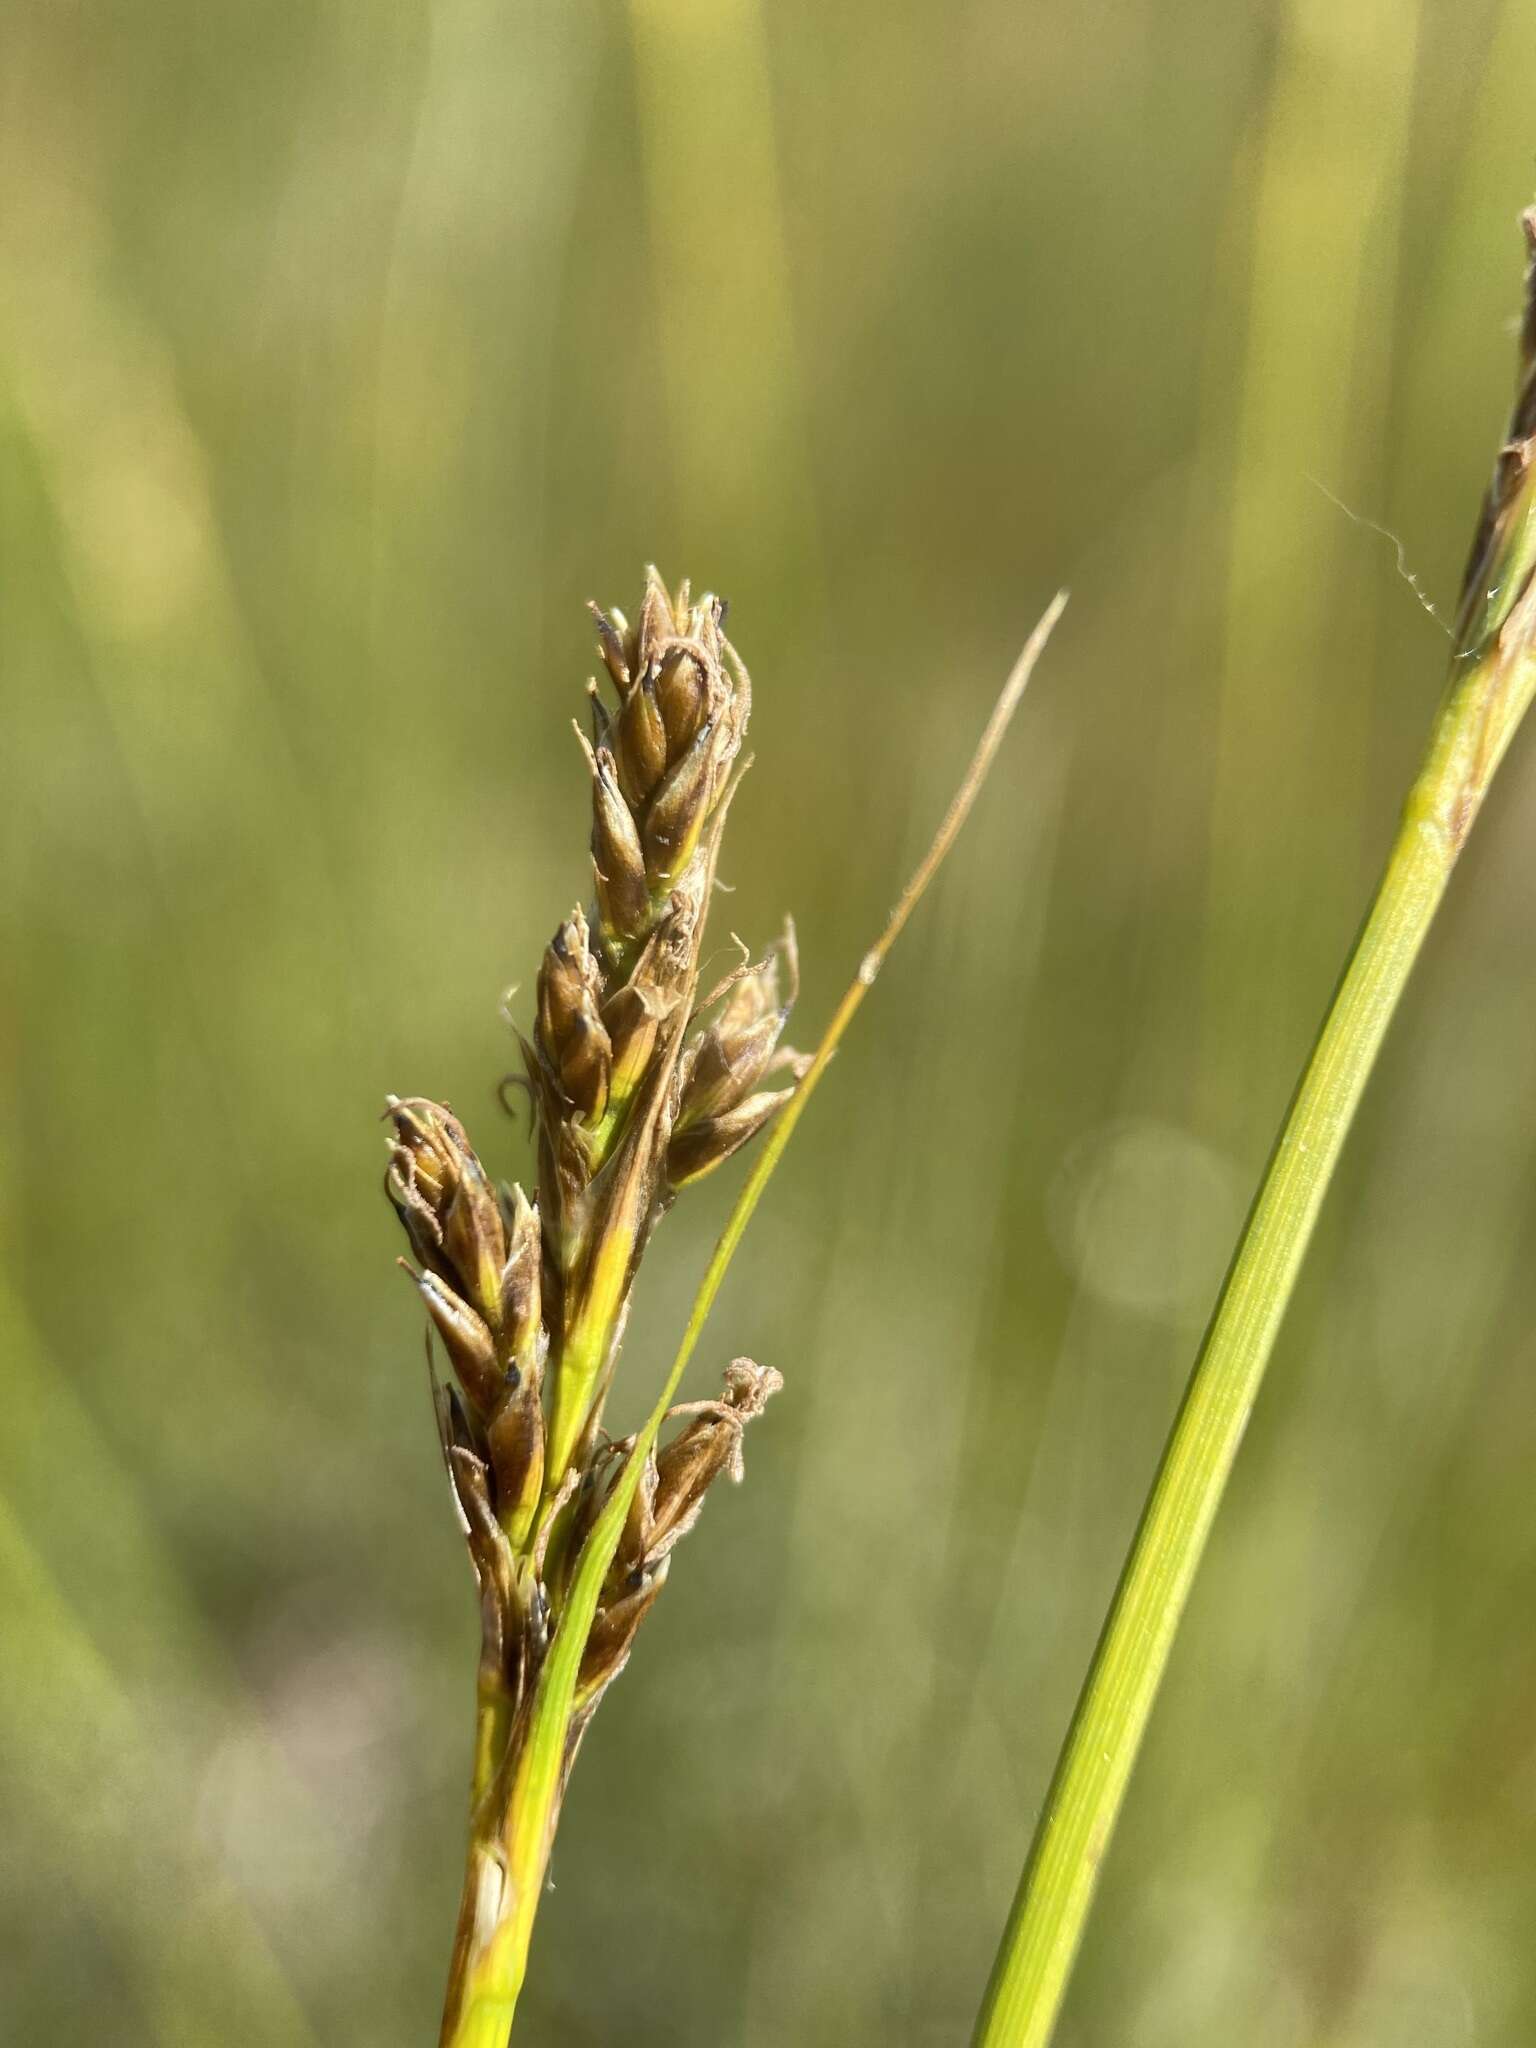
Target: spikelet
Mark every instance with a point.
(637, 1089)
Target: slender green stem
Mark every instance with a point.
(1493, 675)
(1080, 1810)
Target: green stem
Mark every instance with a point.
(1493, 676)
(1084, 1800)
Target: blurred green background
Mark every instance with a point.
(346, 350)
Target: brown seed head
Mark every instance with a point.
(711, 1141)
(623, 894)
(515, 1441)
(666, 1505)
(521, 1290)
(682, 696)
(612, 635)
(612, 1638)
(675, 820)
(467, 1339)
(641, 748)
(447, 1205)
(710, 1444)
(633, 1018)
(718, 1110)
(733, 1054)
(683, 703)
(627, 1108)
(658, 620)
(571, 1033)
(456, 1228)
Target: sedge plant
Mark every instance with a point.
(642, 1080)
(1492, 679)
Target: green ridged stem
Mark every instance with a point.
(1492, 678)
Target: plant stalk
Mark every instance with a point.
(1493, 675)
(488, 1976)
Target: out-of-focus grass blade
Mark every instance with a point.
(108, 1796)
